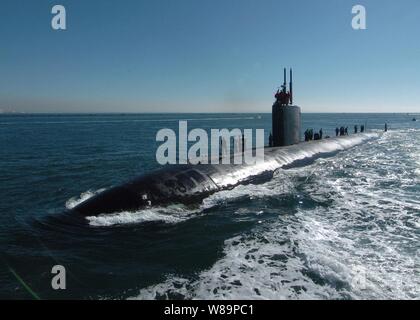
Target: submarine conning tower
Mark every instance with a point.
(285, 116)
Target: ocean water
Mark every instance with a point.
(344, 227)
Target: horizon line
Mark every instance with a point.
(147, 112)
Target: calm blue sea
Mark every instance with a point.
(345, 227)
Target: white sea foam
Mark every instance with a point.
(280, 184)
(73, 202)
(359, 242)
(170, 214)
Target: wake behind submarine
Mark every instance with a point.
(190, 184)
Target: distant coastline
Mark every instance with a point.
(2, 111)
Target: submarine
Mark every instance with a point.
(189, 184)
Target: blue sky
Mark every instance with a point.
(208, 56)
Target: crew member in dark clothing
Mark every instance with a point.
(355, 129)
(346, 131)
(337, 131)
(362, 128)
(320, 134)
(307, 135)
(386, 127)
(341, 131)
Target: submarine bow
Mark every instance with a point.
(189, 184)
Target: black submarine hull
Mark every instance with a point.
(190, 184)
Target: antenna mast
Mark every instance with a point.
(285, 80)
(291, 86)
